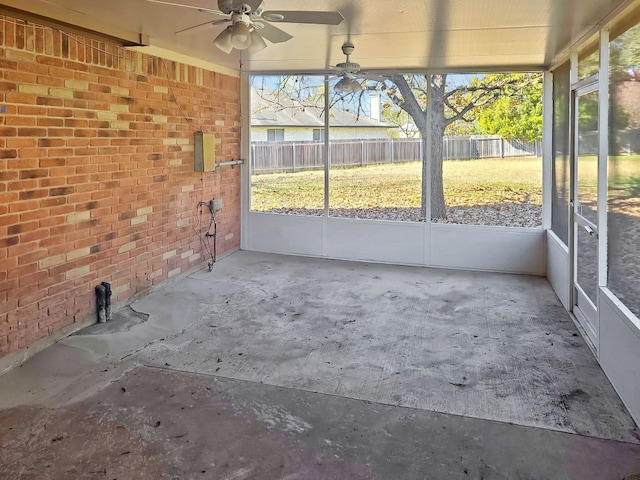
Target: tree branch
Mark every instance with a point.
(409, 103)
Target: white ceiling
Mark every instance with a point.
(400, 34)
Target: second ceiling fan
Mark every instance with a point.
(349, 71)
(249, 24)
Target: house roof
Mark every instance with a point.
(271, 110)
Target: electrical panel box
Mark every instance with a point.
(204, 152)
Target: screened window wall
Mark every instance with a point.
(620, 271)
(376, 150)
(287, 144)
(589, 59)
(560, 169)
(484, 162)
(486, 166)
(623, 205)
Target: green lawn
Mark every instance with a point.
(466, 183)
(624, 176)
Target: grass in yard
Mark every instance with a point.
(466, 183)
(624, 176)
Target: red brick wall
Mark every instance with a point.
(96, 174)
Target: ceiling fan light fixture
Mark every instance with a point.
(257, 43)
(347, 85)
(240, 34)
(223, 41)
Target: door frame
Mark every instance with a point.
(585, 311)
(601, 83)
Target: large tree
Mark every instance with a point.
(451, 102)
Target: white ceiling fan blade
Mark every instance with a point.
(273, 34)
(225, 6)
(302, 16)
(370, 76)
(173, 4)
(202, 26)
(256, 5)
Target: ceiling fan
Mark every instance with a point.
(349, 70)
(248, 23)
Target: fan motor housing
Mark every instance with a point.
(351, 67)
(348, 48)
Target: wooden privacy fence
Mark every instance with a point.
(269, 157)
(623, 142)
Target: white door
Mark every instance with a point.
(585, 209)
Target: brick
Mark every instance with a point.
(107, 115)
(20, 56)
(31, 194)
(174, 272)
(79, 253)
(32, 279)
(155, 274)
(116, 107)
(169, 255)
(8, 65)
(31, 110)
(49, 101)
(121, 289)
(58, 191)
(127, 247)
(138, 220)
(21, 120)
(50, 122)
(8, 131)
(144, 211)
(76, 84)
(78, 217)
(8, 153)
(61, 92)
(34, 89)
(32, 132)
(78, 272)
(120, 91)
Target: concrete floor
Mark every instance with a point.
(274, 367)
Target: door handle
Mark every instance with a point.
(589, 230)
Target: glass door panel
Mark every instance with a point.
(585, 210)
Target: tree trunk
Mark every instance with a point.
(438, 207)
(425, 171)
(438, 125)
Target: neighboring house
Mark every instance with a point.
(287, 121)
